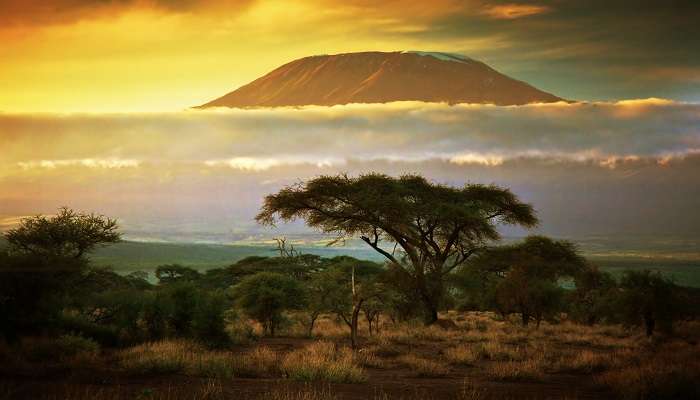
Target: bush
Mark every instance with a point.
(208, 324)
(265, 295)
(62, 348)
(105, 335)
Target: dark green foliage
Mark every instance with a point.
(174, 273)
(209, 323)
(67, 234)
(33, 291)
(436, 227)
(105, 335)
(43, 264)
(649, 299)
(531, 297)
(593, 298)
(524, 277)
(184, 297)
(265, 295)
(157, 309)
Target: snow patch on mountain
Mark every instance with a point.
(441, 56)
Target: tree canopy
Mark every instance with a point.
(66, 234)
(437, 227)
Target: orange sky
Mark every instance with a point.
(144, 57)
(166, 55)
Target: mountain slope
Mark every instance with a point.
(378, 77)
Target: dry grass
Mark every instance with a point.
(671, 371)
(500, 350)
(527, 370)
(423, 367)
(323, 361)
(179, 356)
(369, 358)
(463, 355)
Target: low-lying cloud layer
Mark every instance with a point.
(589, 167)
(403, 131)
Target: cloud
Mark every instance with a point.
(588, 168)
(40, 12)
(513, 10)
(253, 140)
(86, 162)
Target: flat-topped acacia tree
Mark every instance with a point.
(436, 227)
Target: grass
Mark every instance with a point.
(323, 361)
(527, 370)
(179, 356)
(484, 347)
(423, 367)
(669, 371)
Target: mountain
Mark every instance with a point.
(380, 77)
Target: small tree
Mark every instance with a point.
(67, 234)
(265, 295)
(174, 273)
(320, 298)
(437, 227)
(46, 258)
(648, 298)
(184, 297)
(530, 296)
(593, 298)
(528, 274)
(350, 286)
(209, 322)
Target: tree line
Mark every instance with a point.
(441, 250)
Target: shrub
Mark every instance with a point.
(60, 349)
(265, 295)
(208, 324)
(323, 361)
(105, 335)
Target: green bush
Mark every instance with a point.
(105, 335)
(209, 325)
(265, 295)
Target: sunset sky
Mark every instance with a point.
(95, 97)
(158, 55)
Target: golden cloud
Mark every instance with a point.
(513, 10)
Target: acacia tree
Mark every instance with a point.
(650, 299)
(527, 275)
(436, 227)
(67, 234)
(45, 258)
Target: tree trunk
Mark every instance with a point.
(432, 314)
(353, 323)
(272, 327)
(312, 322)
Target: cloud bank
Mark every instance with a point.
(402, 131)
(587, 167)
